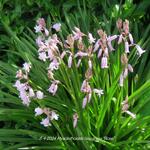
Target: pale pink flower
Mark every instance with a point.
(42, 56)
(85, 87)
(39, 41)
(27, 67)
(90, 64)
(106, 52)
(39, 95)
(19, 74)
(104, 63)
(96, 46)
(20, 86)
(54, 86)
(38, 111)
(31, 92)
(54, 116)
(63, 54)
(110, 46)
(75, 120)
(41, 22)
(54, 65)
(24, 97)
(78, 34)
(121, 80)
(79, 62)
(127, 47)
(46, 32)
(110, 38)
(70, 61)
(131, 114)
(57, 26)
(91, 39)
(84, 102)
(89, 95)
(130, 68)
(131, 38)
(38, 28)
(80, 54)
(45, 122)
(140, 51)
(99, 53)
(50, 54)
(99, 92)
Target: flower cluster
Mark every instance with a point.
(74, 49)
(26, 93)
(51, 115)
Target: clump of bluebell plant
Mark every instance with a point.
(54, 50)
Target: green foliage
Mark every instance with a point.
(102, 118)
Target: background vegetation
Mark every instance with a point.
(19, 127)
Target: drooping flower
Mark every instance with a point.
(96, 46)
(127, 47)
(54, 115)
(89, 95)
(85, 88)
(70, 61)
(90, 64)
(39, 41)
(54, 86)
(99, 53)
(54, 65)
(63, 54)
(99, 92)
(131, 114)
(41, 22)
(75, 120)
(39, 95)
(57, 26)
(27, 67)
(25, 98)
(131, 38)
(45, 122)
(80, 54)
(46, 32)
(91, 39)
(38, 111)
(20, 86)
(85, 100)
(79, 62)
(104, 63)
(121, 80)
(42, 56)
(130, 68)
(140, 51)
(111, 38)
(19, 74)
(110, 46)
(31, 92)
(38, 28)
(78, 34)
